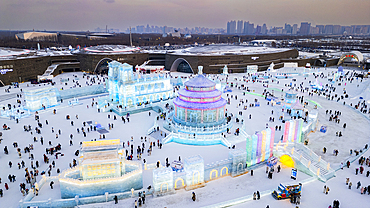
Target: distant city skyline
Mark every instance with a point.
(83, 15)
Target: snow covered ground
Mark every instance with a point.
(227, 188)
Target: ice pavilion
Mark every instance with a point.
(199, 104)
(199, 116)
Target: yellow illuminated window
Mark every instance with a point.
(89, 174)
(88, 167)
(94, 167)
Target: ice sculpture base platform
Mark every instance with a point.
(192, 187)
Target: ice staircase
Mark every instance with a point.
(306, 160)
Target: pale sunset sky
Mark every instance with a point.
(82, 15)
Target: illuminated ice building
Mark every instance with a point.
(128, 88)
(289, 99)
(199, 116)
(102, 169)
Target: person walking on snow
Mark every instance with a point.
(358, 184)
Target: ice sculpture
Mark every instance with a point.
(194, 169)
(128, 88)
(252, 69)
(260, 146)
(37, 99)
(293, 131)
(14, 113)
(289, 99)
(271, 67)
(199, 104)
(225, 70)
(200, 69)
(199, 116)
(102, 168)
(163, 179)
(238, 157)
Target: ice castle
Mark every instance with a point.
(199, 116)
(128, 88)
(102, 168)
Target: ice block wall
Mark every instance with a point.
(37, 98)
(194, 168)
(80, 91)
(70, 188)
(238, 157)
(163, 179)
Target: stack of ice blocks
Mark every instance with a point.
(162, 179)
(194, 168)
(38, 98)
(239, 158)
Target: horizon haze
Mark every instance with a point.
(83, 15)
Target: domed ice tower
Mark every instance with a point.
(199, 104)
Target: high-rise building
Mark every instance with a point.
(336, 29)
(248, 28)
(258, 30)
(328, 29)
(246, 25)
(305, 28)
(365, 29)
(264, 29)
(321, 28)
(279, 30)
(239, 29)
(251, 28)
(295, 29)
(231, 27)
(288, 28)
(140, 29)
(314, 30)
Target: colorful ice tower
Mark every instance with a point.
(194, 169)
(260, 146)
(293, 131)
(163, 179)
(238, 156)
(289, 99)
(37, 99)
